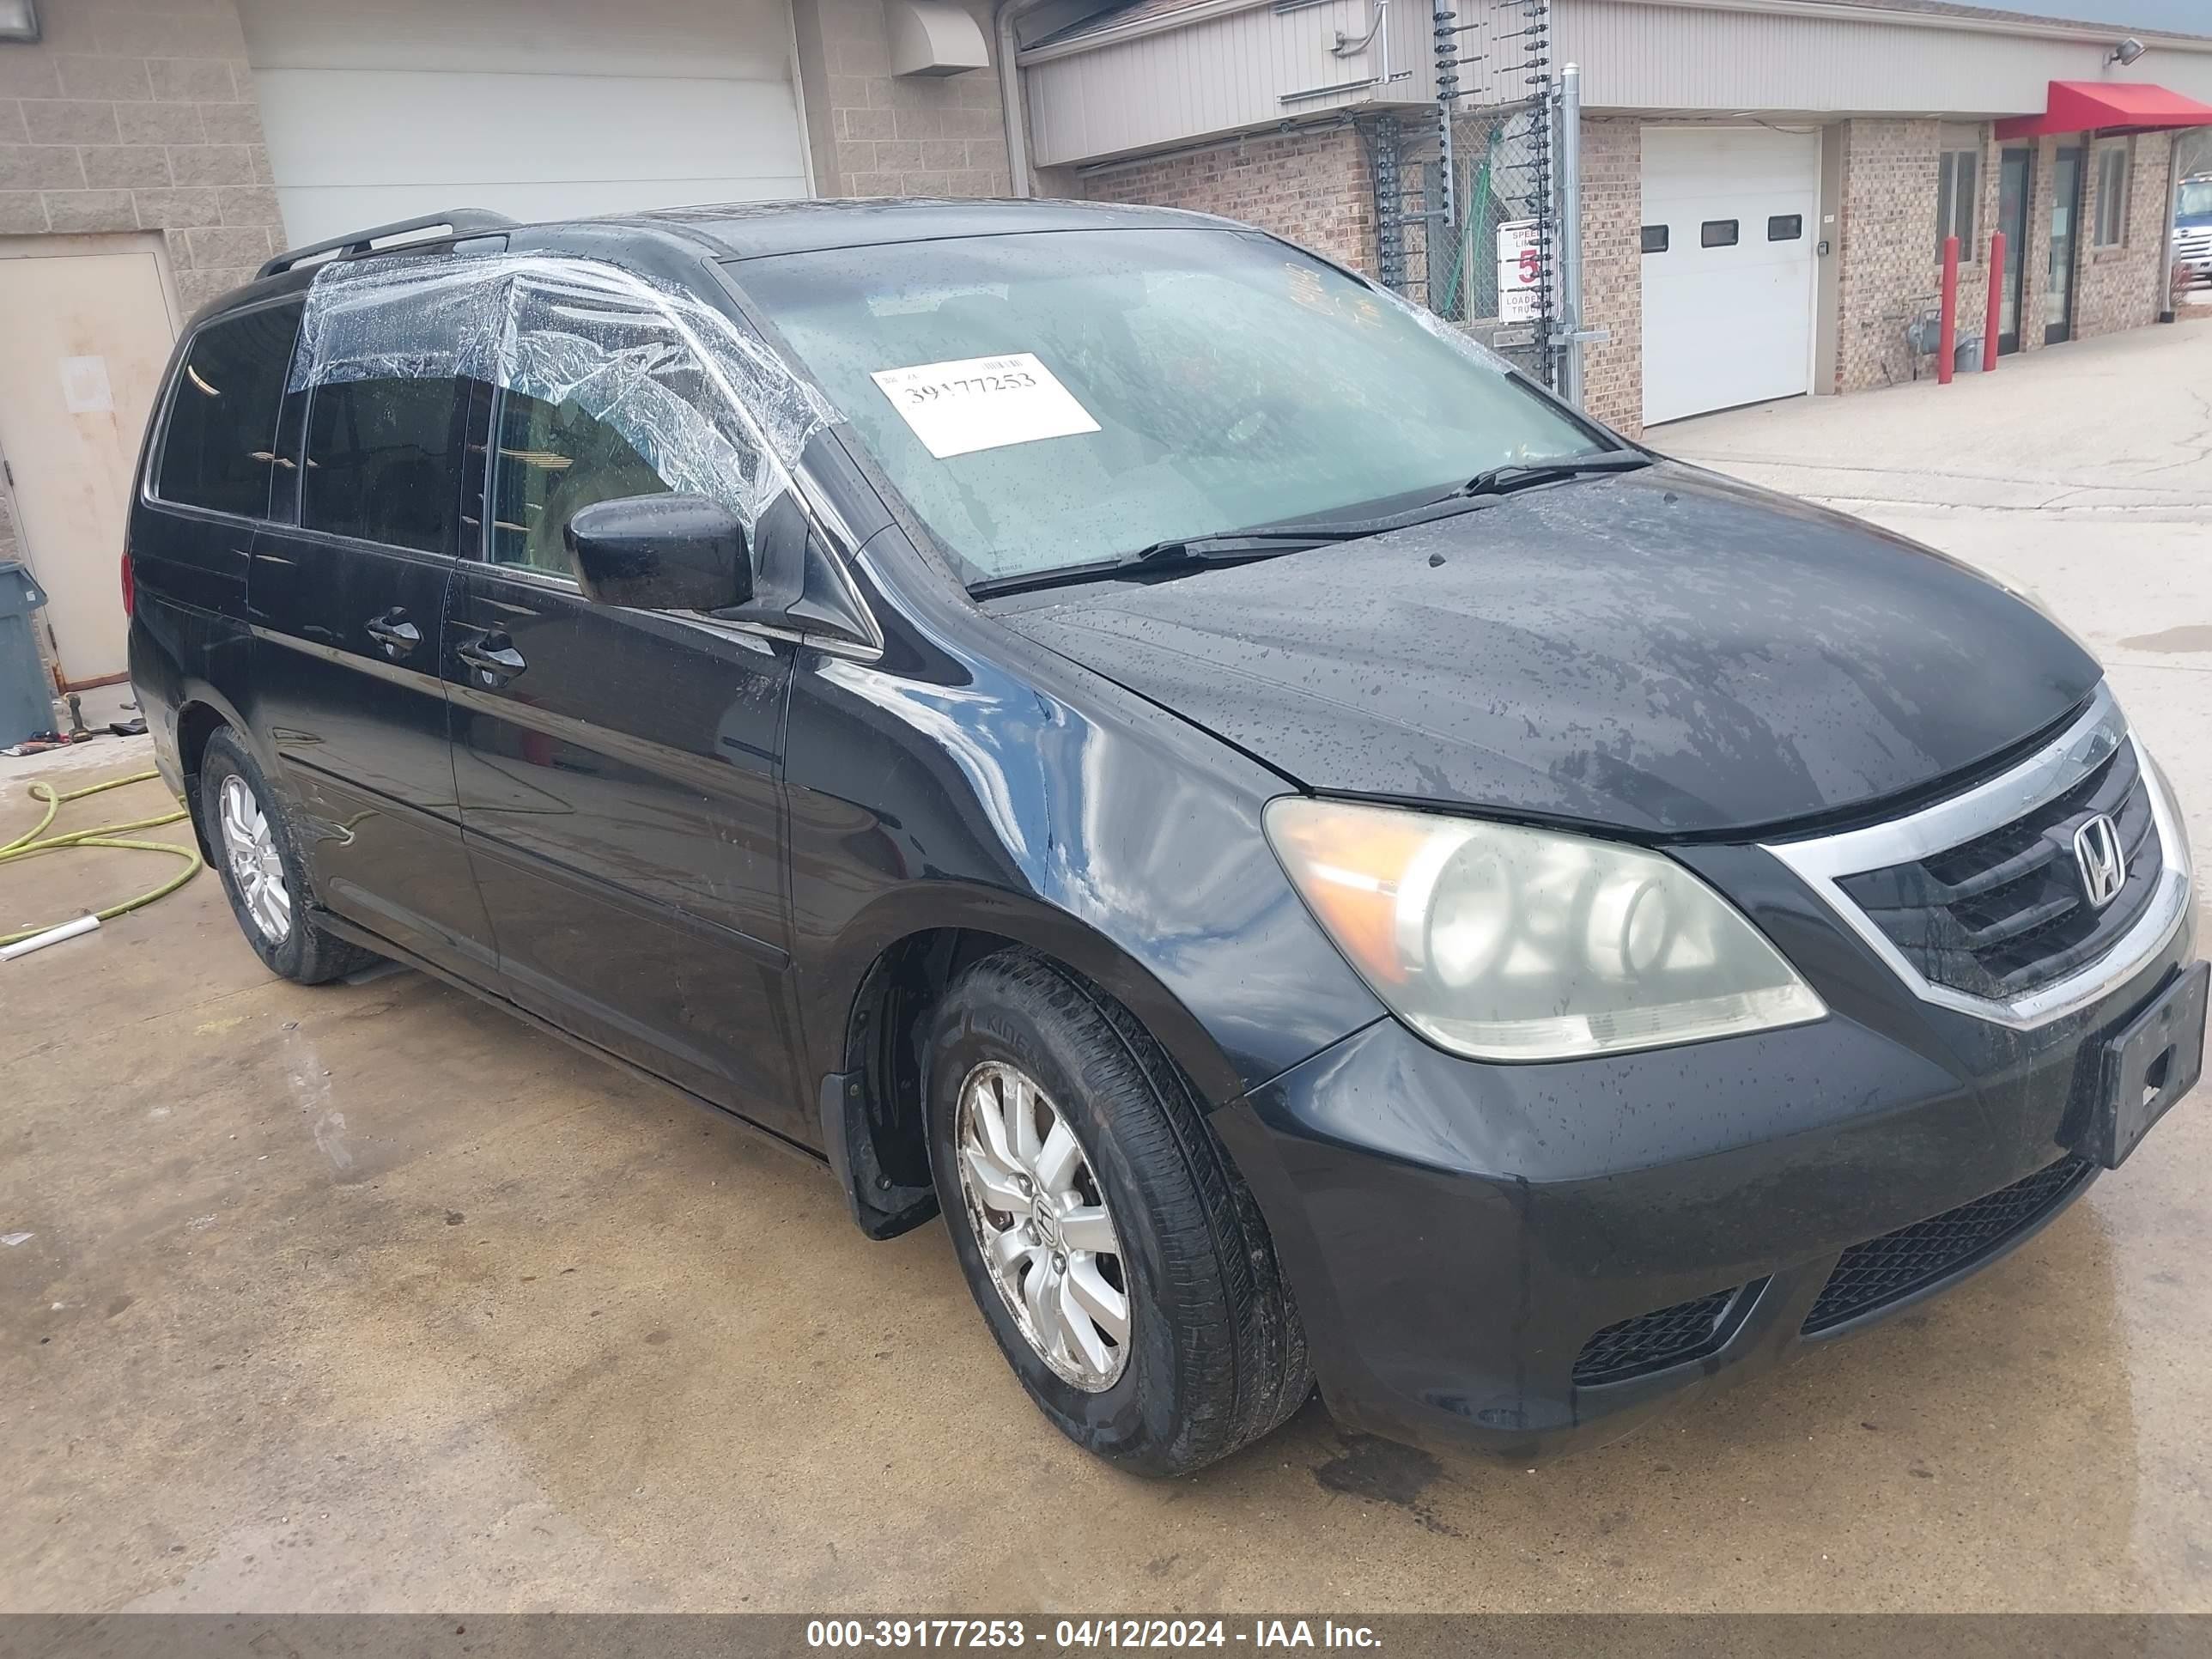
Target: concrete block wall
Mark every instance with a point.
(873, 133)
(1310, 184)
(139, 115)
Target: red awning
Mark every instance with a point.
(2119, 105)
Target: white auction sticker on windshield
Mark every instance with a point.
(982, 403)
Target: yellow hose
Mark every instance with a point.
(107, 834)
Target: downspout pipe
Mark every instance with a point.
(1004, 15)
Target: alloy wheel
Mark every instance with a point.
(249, 846)
(1041, 1223)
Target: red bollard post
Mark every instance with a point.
(1947, 349)
(1991, 322)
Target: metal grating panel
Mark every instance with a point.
(1889, 1268)
(1652, 1342)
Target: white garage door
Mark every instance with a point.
(1731, 219)
(379, 110)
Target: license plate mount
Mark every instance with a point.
(2146, 1066)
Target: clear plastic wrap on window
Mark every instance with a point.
(713, 411)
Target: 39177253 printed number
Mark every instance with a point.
(982, 403)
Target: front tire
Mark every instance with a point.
(1117, 1255)
(256, 852)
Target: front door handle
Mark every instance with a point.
(393, 632)
(494, 658)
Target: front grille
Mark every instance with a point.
(2004, 914)
(1665, 1336)
(1893, 1266)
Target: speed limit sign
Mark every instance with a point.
(1520, 271)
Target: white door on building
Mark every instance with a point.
(536, 108)
(85, 331)
(1730, 220)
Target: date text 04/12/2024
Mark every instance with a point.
(1069, 1634)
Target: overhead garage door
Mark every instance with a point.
(1731, 219)
(539, 108)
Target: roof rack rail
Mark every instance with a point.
(361, 241)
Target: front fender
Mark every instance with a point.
(1026, 797)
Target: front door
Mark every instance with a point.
(346, 605)
(85, 331)
(618, 769)
(2016, 182)
(2065, 236)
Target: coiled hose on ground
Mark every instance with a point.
(106, 835)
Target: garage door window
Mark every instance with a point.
(1717, 233)
(1785, 227)
(218, 451)
(1655, 239)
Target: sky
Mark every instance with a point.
(2184, 16)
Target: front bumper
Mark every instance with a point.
(1457, 1232)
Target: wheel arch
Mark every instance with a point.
(868, 1014)
(201, 711)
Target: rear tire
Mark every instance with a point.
(257, 853)
(1211, 1355)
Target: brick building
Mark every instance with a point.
(152, 153)
(1763, 180)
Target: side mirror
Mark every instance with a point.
(660, 553)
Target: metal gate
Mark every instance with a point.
(1467, 204)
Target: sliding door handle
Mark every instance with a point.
(393, 632)
(494, 658)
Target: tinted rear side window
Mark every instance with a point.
(384, 461)
(217, 450)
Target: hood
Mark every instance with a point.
(1663, 652)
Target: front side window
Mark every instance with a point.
(2112, 195)
(1958, 190)
(551, 461)
(1055, 398)
(383, 461)
(217, 450)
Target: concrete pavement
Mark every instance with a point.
(365, 1296)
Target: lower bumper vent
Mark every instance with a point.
(1897, 1264)
(1652, 1342)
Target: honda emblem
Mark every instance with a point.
(2104, 866)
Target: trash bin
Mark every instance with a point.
(27, 695)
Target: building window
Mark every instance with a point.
(1785, 228)
(2112, 194)
(1655, 239)
(1717, 233)
(1957, 192)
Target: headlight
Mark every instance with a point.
(1505, 942)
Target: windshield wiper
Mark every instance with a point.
(1235, 546)
(1502, 480)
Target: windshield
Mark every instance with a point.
(1062, 397)
(2194, 200)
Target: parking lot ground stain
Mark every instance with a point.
(2194, 636)
(1382, 1472)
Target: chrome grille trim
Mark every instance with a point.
(1821, 861)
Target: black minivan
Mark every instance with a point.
(1325, 864)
